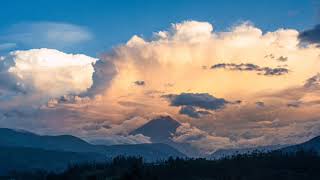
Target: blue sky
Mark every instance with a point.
(112, 22)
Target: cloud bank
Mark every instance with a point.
(267, 71)
(242, 101)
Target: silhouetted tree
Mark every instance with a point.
(300, 165)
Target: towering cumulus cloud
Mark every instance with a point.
(48, 72)
(228, 89)
(182, 57)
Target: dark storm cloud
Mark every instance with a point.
(282, 59)
(266, 71)
(271, 56)
(139, 83)
(189, 111)
(192, 112)
(313, 81)
(311, 36)
(104, 71)
(200, 100)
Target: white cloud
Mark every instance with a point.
(118, 139)
(206, 142)
(188, 31)
(47, 34)
(7, 46)
(49, 72)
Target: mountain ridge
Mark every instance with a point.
(312, 144)
(158, 129)
(42, 149)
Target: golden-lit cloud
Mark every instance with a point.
(241, 87)
(183, 57)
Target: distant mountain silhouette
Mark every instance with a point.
(15, 138)
(222, 153)
(14, 145)
(30, 159)
(161, 130)
(310, 145)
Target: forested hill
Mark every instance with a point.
(256, 166)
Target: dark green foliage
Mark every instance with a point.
(257, 166)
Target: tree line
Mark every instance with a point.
(263, 166)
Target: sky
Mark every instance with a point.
(114, 21)
(234, 74)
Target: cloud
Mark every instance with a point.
(46, 34)
(193, 112)
(48, 72)
(206, 142)
(295, 104)
(197, 105)
(266, 71)
(201, 100)
(104, 72)
(7, 46)
(260, 104)
(127, 126)
(191, 31)
(139, 83)
(282, 58)
(313, 81)
(107, 102)
(177, 57)
(310, 36)
(130, 139)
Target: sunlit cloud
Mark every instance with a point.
(238, 88)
